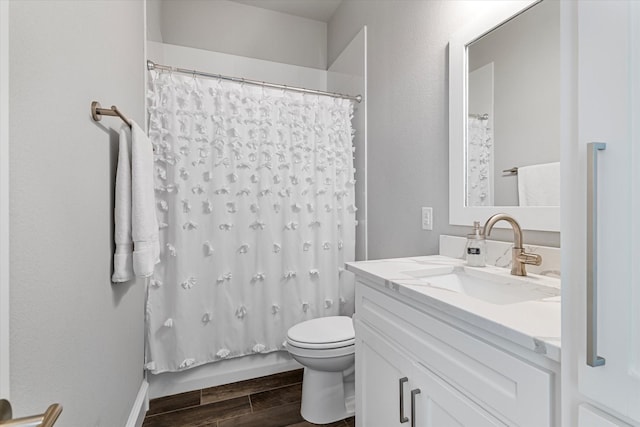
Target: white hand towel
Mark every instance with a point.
(123, 258)
(539, 185)
(144, 223)
(136, 225)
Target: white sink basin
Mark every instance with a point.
(499, 289)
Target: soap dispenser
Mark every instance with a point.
(476, 247)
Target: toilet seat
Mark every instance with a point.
(325, 353)
(321, 346)
(323, 333)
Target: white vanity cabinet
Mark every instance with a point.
(395, 389)
(404, 345)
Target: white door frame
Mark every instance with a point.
(4, 199)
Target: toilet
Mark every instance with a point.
(326, 348)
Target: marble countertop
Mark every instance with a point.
(534, 325)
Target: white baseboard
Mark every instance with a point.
(218, 373)
(140, 406)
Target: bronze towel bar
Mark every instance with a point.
(97, 112)
(509, 172)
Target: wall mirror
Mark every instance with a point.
(504, 116)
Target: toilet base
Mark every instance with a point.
(323, 397)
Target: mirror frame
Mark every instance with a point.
(545, 218)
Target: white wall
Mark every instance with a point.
(236, 66)
(407, 109)
(76, 339)
(235, 28)
(154, 20)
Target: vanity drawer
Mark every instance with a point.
(502, 383)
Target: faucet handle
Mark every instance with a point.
(531, 259)
(47, 419)
(51, 415)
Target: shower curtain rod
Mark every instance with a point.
(153, 66)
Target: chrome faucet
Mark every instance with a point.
(518, 255)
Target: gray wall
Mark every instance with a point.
(407, 110)
(526, 127)
(76, 339)
(235, 28)
(154, 20)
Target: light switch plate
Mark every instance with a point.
(427, 218)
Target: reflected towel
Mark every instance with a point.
(539, 185)
(136, 226)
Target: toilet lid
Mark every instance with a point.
(324, 330)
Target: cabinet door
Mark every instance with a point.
(592, 417)
(607, 73)
(379, 366)
(440, 404)
(378, 376)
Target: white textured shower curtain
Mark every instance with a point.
(255, 197)
(479, 162)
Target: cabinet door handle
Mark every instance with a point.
(593, 359)
(413, 406)
(403, 419)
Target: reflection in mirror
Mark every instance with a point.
(513, 110)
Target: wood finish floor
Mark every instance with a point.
(272, 401)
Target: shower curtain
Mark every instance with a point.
(479, 161)
(255, 198)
